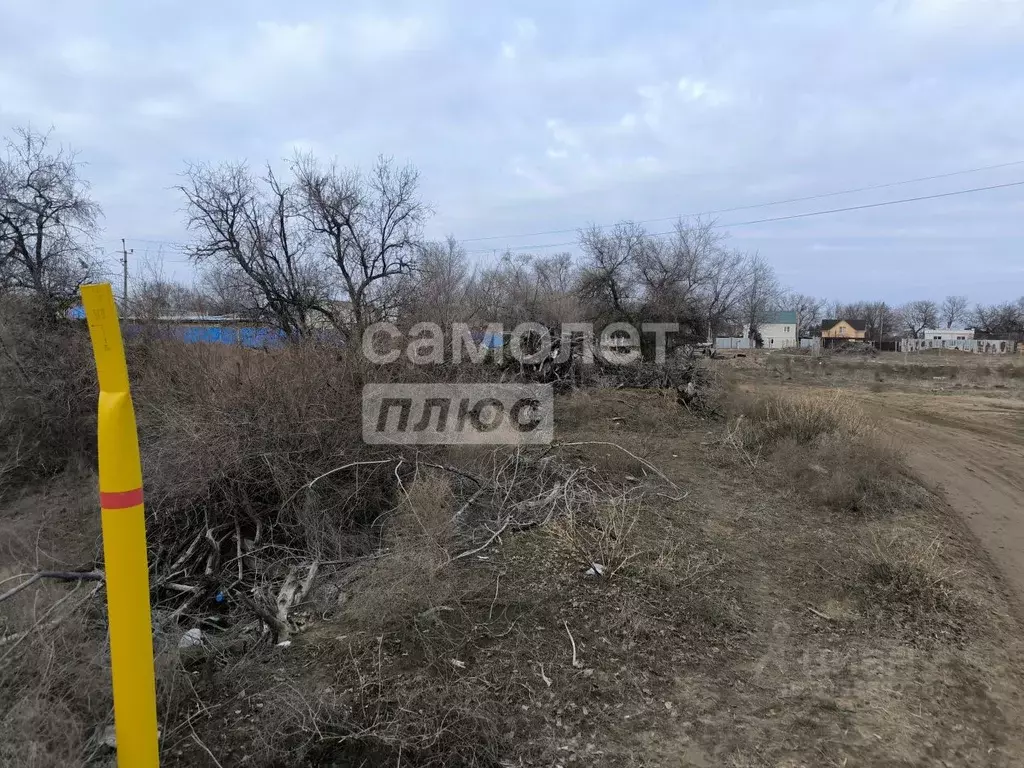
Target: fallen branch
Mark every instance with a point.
(455, 470)
(545, 678)
(15, 640)
(329, 472)
(485, 545)
(205, 748)
(819, 614)
(469, 502)
(646, 463)
(263, 614)
(291, 594)
(575, 662)
(238, 549)
(57, 575)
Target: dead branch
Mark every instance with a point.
(180, 562)
(330, 472)
(469, 502)
(455, 471)
(15, 640)
(264, 615)
(57, 575)
(575, 662)
(238, 548)
(483, 546)
(291, 594)
(205, 748)
(646, 463)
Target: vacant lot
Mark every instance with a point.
(960, 420)
(739, 601)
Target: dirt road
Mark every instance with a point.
(972, 447)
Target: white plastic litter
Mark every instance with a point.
(191, 639)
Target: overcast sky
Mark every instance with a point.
(528, 117)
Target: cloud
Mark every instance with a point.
(87, 56)
(526, 29)
(161, 108)
(275, 56)
(370, 37)
(524, 32)
(561, 133)
(554, 116)
(953, 16)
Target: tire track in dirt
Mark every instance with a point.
(972, 448)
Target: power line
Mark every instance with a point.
(181, 245)
(759, 205)
(795, 215)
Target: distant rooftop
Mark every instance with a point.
(780, 318)
(857, 325)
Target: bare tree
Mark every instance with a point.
(608, 282)
(761, 290)
(675, 273)
(808, 310)
(155, 295)
(250, 232)
(954, 310)
(1004, 320)
(724, 292)
(47, 219)
(512, 291)
(557, 278)
(369, 225)
(438, 288)
(921, 314)
(881, 319)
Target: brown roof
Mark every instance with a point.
(857, 325)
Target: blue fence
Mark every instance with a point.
(244, 336)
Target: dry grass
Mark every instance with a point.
(47, 396)
(907, 574)
(825, 446)
(802, 418)
(446, 630)
(601, 539)
(411, 577)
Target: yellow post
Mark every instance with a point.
(124, 540)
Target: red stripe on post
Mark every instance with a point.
(121, 499)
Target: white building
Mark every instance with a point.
(947, 334)
(778, 330)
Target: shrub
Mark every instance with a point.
(47, 394)
(242, 443)
(412, 578)
(801, 418)
(906, 575)
(825, 446)
(601, 539)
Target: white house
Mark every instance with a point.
(778, 330)
(947, 334)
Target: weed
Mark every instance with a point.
(824, 446)
(411, 578)
(601, 540)
(906, 575)
(47, 396)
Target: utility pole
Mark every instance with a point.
(124, 274)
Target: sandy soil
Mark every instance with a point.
(972, 447)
